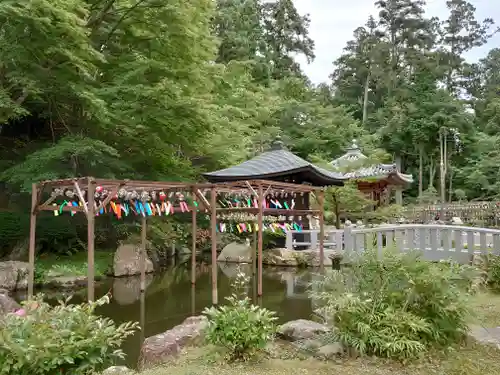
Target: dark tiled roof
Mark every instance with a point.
(379, 171)
(279, 161)
(272, 163)
(352, 155)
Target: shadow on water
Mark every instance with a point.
(170, 298)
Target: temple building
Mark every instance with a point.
(377, 181)
(279, 164)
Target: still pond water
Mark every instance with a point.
(170, 298)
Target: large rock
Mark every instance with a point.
(301, 329)
(487, 336)
(280, 257)
(7, 304)
(19, 251)
(14, 275)
(59, 280)
(164, 346)
(236, 253)
(127, 261)
(295, 258)
(330, 350)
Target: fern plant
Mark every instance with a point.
(240, 327)
(395, 305)
(65, 339)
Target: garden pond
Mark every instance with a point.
(170, 297)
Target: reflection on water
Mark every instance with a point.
(170, 298)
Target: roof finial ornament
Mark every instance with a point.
(277, 144)
(354, 148)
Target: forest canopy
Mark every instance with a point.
(166, 89)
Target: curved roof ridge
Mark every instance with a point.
(271, 163)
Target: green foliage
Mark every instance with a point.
(240, 327)
(490, 265)
(55, 162)
(63, 339)
(50, 265)
(346, 202)
(168, 89)
(385, 214)
(396, 305)
(271, 240)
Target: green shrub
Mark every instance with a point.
(271, 240)
(395, 305)
(490, 265)
(240, 327)
(66, 339)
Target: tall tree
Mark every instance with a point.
(358, 78)
(237, 25)
(460, 33)
(286, 35)
(406, 30)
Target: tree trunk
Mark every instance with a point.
(337, 211)
(421, 172)
(442, 163)
(432, 173)
(365, 98)
(450, 186)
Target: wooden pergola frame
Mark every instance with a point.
(257, 188)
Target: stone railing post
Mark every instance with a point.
(348, 239)
(314, 240)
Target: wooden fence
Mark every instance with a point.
(473, 213)
(437, 242)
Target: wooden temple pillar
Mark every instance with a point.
(321, 201)
(399, 189)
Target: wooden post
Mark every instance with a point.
(32, 244)
(142, 316)
(193, 250)
(193, 299)
(259, 240)
(254, 251)
(399, 189)
(144, 234)
(321, 199)
(213, 224)
(90, 238)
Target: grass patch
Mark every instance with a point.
(486, 306)
(473, 359)
(50, 265)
